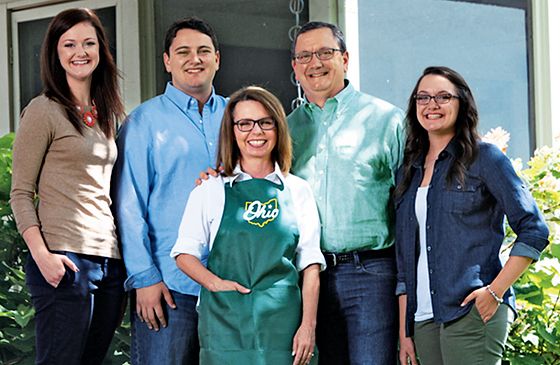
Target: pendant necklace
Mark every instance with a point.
(88, 114)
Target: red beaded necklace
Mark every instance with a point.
(88, 113)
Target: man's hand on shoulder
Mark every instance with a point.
(204, 175)
(149, 305)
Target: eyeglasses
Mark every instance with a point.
(247, 125)
(323, 54)
(424, 99)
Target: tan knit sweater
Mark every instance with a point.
(71, 174)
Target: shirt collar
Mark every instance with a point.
(342, 97)
(452, 149)
(185, 101)
(275, 176)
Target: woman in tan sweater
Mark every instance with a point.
(63, 155)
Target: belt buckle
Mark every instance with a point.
(333, 255)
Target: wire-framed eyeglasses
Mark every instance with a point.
(323, 54)
(424, 99)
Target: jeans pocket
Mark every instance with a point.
(382, 267)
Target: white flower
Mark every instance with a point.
(499, 137)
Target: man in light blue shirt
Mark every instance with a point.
(348, 146)
(163, 145)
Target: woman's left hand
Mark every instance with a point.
(303, 345)
(484, 302)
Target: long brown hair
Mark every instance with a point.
(104, 85)
(466, 134)
(228, 151)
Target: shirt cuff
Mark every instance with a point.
(143, 279)
(401, 288)
(523, 249)
(179, 248)
(303, 260)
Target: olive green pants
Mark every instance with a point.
(466, 341)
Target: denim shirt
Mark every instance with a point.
(464, 230)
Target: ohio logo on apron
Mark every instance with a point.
(260, 214)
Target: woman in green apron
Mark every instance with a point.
(258, 227)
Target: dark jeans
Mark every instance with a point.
(357, 320)
(176, 344)
(75, 322)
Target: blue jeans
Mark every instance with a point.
(75, 322)
(357, 320)
(176, 344)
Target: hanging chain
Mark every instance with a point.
(296, 8)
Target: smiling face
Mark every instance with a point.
(256, 144)
(437, 119)
(78, 52)
(320, 80)
(192, 61)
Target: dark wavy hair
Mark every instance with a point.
(466, 134)
(104, 83)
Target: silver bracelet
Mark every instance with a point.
(494, 295)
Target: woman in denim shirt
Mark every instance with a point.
(452, 194)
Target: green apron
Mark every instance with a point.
(256, 247)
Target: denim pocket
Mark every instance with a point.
(381, 267)
(463, 198)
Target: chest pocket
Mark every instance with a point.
(464, 198)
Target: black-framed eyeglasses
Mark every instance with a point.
(247, 125)
(424, 99)
(323, 54)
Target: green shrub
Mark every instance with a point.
(535, 336)
(17, 337)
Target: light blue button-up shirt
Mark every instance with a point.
(349, 152)
(163, 146)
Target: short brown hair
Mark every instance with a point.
(228, 151)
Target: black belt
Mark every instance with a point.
(333, 258)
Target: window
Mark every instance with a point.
(486, 41)
(253, 38)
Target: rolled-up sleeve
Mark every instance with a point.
(521, 210)
(201, 219)
(309, 246)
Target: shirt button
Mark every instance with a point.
(321, 172)
(210, 143)
(200, 121)
(432, 292)
(325, 123)
(431, 271)
(428, 227)
(429, 248)
(459, 187)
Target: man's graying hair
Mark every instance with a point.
(336, 32)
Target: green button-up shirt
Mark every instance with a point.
(349, 152)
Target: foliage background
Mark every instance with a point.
(16, 312)
(534, 338)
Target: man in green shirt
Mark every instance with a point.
(348, 146)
